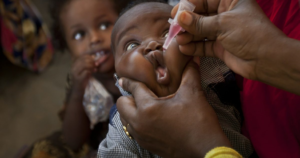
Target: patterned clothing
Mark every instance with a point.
(24, 37)
(222, 94)
(54, 146)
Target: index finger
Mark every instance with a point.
(127, 108)
(209, 7)
(139, 90)
(191, 80)
(206, 7)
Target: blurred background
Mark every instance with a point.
(30, 101)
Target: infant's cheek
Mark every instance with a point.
(173, 49)
(174, 45)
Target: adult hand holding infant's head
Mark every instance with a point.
(179, 125)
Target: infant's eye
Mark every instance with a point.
(131, 46)
(104, 26)
(166, 35)
(79, 35)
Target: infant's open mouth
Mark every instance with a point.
(156, 58)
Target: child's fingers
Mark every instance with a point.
(81, 65)
(83, 75)
(85, 58)
(84, 62)
(89, 59)
(86, 67)
(82, 71)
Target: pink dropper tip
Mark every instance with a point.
(174, 30)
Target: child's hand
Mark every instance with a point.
(83, 67)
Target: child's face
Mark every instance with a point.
(88, 25)
(138, 39)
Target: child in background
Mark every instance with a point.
(82, 27)
(137, 41)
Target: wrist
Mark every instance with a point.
(269, 43)
(214, 140)
(279, 65)
(77, 91)
(80, 87)
(220, 152)
(77, 83)
(219, 142)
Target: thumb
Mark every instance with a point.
(199, 26)
(191, 79)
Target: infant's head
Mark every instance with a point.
(137, 40)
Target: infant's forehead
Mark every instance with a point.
(142, 12)
(145, 10)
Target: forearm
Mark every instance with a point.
(215, 142)
(280, 65)
(215, 137)
(76, 125)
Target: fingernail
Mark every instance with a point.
(121, 82)
(186, 18)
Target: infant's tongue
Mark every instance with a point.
(161, 72)
(162, 75)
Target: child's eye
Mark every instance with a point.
(104, 26)
(131, 46)
(79, 35)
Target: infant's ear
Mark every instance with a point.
(197, 60)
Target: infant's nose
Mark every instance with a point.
(153, 45)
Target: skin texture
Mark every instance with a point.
(88, 32)
(87, 25)
(180, 124)
(139, 36)
(241, 35)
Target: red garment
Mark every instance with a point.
(272, 116)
